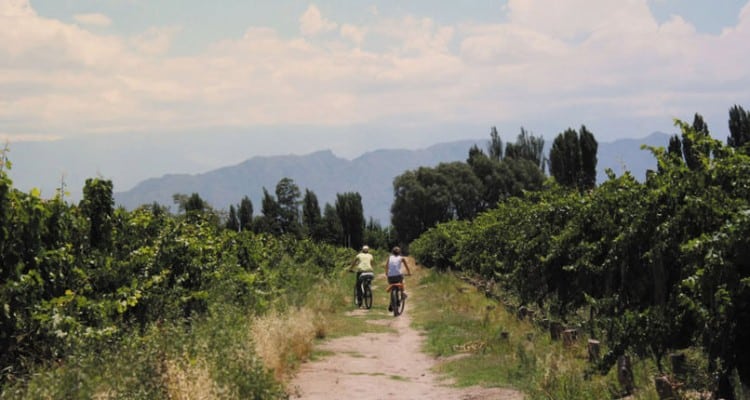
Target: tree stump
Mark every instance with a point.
(593, 348)
(569, 336)
(555, 329)
(625, 374)
(665, 389)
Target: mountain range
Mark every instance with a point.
(371, 174)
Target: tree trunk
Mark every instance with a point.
(593, 348)
(625, 374)
(569, 337)
(555, 329)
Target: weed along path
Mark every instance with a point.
(386, 365)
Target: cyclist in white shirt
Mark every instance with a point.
(393, 267)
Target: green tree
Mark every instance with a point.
(675, 147)
(692, 147)
(97, 206)
(351, 215)
(495, 145)
(572, 159)
(311, 217)
(565, 158)
(421, 200)
(487, 172)
(464, 188)
(270, 220)
(527, 146)
(376, 236)
(739, 127)
(589, 148)
(233, 222)
(288, 200)
(332, 231)
(245, 214)
(190, 204)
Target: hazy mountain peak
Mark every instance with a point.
(370, 174)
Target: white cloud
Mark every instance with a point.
(353, 33)
(16, 8)
(99, 20)
(312, 22)
(155, 40)
(571, 58)
(570, 19)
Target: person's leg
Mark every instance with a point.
(358, 288)
(403, 287)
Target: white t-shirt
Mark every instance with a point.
(394, 265)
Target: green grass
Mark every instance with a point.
(334, 300)
(211, 359)
(464, 328)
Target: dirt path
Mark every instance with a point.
(382, 366)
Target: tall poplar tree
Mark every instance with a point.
(739, 127)
(351, 215)
(572, 159)
(311, 218)
(245, 214)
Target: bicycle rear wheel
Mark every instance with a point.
(395, 299)
(367, 295)
(357, 302)
(401, 301)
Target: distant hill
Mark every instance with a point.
(324, 173)
(371, 174)
(626, 155)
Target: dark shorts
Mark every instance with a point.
(367, 275)
(395, 279)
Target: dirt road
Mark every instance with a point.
(382, 366)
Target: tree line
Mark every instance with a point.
(428, 196)
(647, 268)
(287, 211)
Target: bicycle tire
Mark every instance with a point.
(395, 297)
(367, 295)
(401, 302)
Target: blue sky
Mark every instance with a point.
(416, 71)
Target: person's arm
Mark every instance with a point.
(385, 267)
(403, 260)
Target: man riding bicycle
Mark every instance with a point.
(363, 263)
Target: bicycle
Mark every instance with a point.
(363, 291)
(398, 298)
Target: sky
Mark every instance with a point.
(398, 73)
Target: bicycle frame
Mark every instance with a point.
(397, 285)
